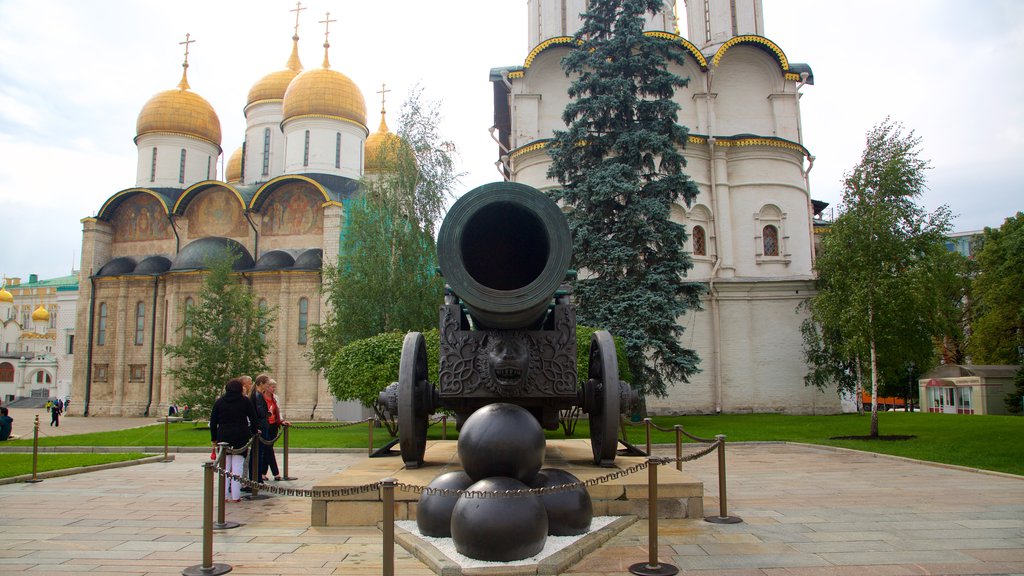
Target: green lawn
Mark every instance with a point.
(18, 464)
(987, 442)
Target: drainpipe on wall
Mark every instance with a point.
(716, 319)
(88, 353)
(152, 343)
(810, 205)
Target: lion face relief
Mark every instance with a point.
(507, 362)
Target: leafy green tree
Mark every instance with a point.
(220, 337)
(384, 279)
(363, 368)
(879, 266)
(620, 166)
(998, 328)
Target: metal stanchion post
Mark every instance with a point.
(222, 455)
(285, 475)
(167, 426)
(207, 568)
(679, 447)
(723, 506)
(35, 452)
(444, 427)
(652, 567)
(254, 468)
(388, 496)
(369, 448)
(647, 432)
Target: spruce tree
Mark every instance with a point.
(620, 167)
(221, 337)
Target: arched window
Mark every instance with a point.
(181, 168)
(303, 319)
(188, 308)
(209, 163)
(140, 323)
(6, 372)
(266, 150)
(305, 153)
(700, 241)
(152, 167)
(337, 150)
(101, 330)
(770, 239)
(53, 317)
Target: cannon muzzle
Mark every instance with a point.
(504, 248)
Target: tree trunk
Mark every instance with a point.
(859, 400)
(874, 391)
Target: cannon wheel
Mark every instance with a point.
(603, 393)
(414, 393)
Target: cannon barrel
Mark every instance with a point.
(504, 248)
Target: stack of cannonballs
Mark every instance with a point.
(501, 447)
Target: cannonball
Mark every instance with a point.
(570, 511)
(501, 440)
(434, 512)
(499, 529)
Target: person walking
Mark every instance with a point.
(6, 424)
(259, 402)
(55, 415)
(233, 420)
(276, 421)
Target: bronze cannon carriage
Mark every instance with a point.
(507, 326)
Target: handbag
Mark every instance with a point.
(213, 454)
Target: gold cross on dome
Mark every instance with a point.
(383, 94)
(327, 27)
(298, 8)
(187, 41)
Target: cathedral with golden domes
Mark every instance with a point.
(280, 207)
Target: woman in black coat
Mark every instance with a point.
(233, 420)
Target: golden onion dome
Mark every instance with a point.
(324, 92)
(273, 86)
(6, 296)
(41, 314)
(378, 145)
(179, 111)
(233, 172)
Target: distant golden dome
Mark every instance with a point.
(324, 92)
(41, 314)
(379, 144)
(273, 86)
(179, 111)
(6, 296)
(233, 172)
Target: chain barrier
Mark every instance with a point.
(330, 426)
(271, 441)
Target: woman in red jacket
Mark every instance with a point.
(276, 421)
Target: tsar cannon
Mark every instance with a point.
(507, 326)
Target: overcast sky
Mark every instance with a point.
(74, 76)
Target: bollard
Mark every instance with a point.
(679, 447)
(647, 432)
(207, 568)
(652, 567)
(221, 524)
(723, 506)
(254, 468)
(35, 453)
(167, 425)
(284, 475)
(388, 496)
(369, 447)
(444, 427)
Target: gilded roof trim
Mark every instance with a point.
(724, 141)
(686, 44)
(758, 41)
(174, 133)
(328, 116)
(110, 203)
(274, 183)
(185, 198)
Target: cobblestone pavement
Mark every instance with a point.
(24, 421)
(806, 511)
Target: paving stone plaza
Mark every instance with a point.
(806, 511)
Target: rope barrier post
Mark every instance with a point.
(388, 496)
(207, 568)
(221, 524)
(254, 468)
(647, 432)
(652, 567)
(723, 506)
(167, 434)
(679, 447)
(35, 453)
(444, 427)
(285, 475)
(369, 447)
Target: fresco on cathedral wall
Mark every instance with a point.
(292, 211)
(141, 218)
(216, 212)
